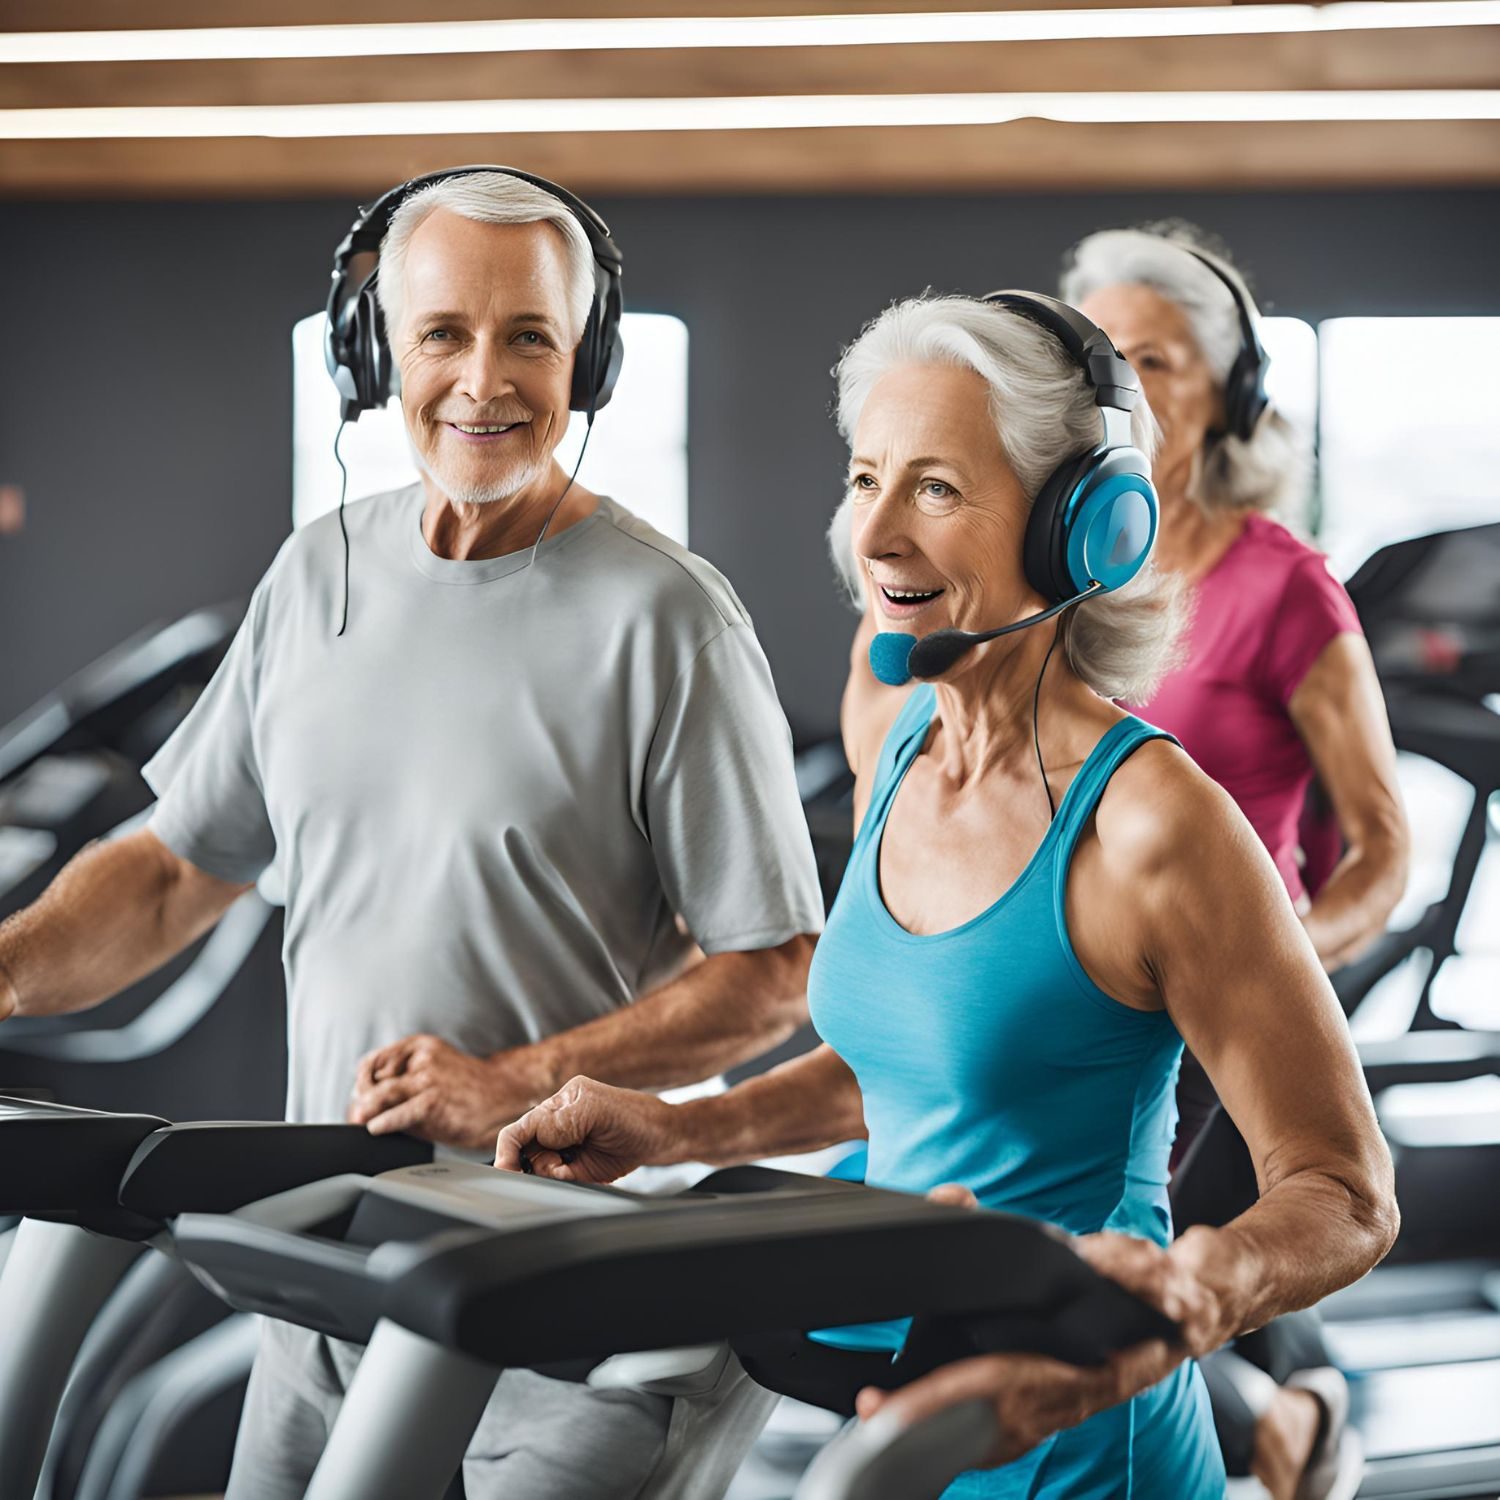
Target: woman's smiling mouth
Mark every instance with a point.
(904, 604)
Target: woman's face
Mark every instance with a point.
(1153, 333)
(938, 515)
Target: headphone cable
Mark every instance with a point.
(587, 434)
(343, 529)
(1036, 737)
(344, 490)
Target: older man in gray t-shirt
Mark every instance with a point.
(491, 798)
(512, 753)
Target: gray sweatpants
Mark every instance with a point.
(539, 1439)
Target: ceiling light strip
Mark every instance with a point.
(574, 116)
(411, 39)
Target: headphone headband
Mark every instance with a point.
(369, 229)
(1107, 371)
(356, 348)
(1245, 386)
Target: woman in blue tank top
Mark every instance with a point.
(1044, 899)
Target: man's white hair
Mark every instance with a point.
(487, 198)
(1120, 643)
(1269, 470)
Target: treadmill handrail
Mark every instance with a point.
(182, 1167)
(58, 1158)
(144, 656)
(1430, 1057)
(175, 1012)
(800, 1259)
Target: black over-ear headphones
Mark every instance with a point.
(1094, 518)
(355, 345)
(1245, 385)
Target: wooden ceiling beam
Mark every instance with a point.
(1442, 57)
(1033, 154)
(151, 15)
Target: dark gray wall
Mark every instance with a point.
(145, 384)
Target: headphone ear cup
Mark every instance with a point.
(336, 355)
(1111, 525)
(600, 352)
(377, 350)
(357, 345)
(1244, 395)
(585, 364)
(1044, 550)
(612, 352)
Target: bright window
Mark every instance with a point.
(1409, 433)
(1292, 385)
(637, 453)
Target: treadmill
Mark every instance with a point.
(1430, 608)
(452, 1272)
(70, 772)
(97, 1190)
(70, 765)
(1419, 1337)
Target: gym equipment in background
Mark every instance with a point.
(70, 772)
(1430, 607)
(70, 765)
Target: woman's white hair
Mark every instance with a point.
(1121, 643)
(1267, 472)
(487, 198)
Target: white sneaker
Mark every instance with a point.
(1338, 1458)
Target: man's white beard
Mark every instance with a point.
(471, 494)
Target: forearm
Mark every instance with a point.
(110, 918)
(1307, 1237)
(1351, 910)
(809, 1102)
(723, 1011)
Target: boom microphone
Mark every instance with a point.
(895, 657)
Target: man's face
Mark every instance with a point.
(486, 342)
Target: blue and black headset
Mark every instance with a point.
(1094, 518)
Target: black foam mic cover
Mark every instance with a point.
(934, 654)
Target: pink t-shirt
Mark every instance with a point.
(1262, 616)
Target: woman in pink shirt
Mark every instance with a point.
(1276, 684)
(1277, 681)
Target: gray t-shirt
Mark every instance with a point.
(489, 798)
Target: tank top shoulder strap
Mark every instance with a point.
(1116, 746)
(902, 741)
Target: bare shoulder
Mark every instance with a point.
(1160, 812)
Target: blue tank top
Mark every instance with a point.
(986, 1056)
